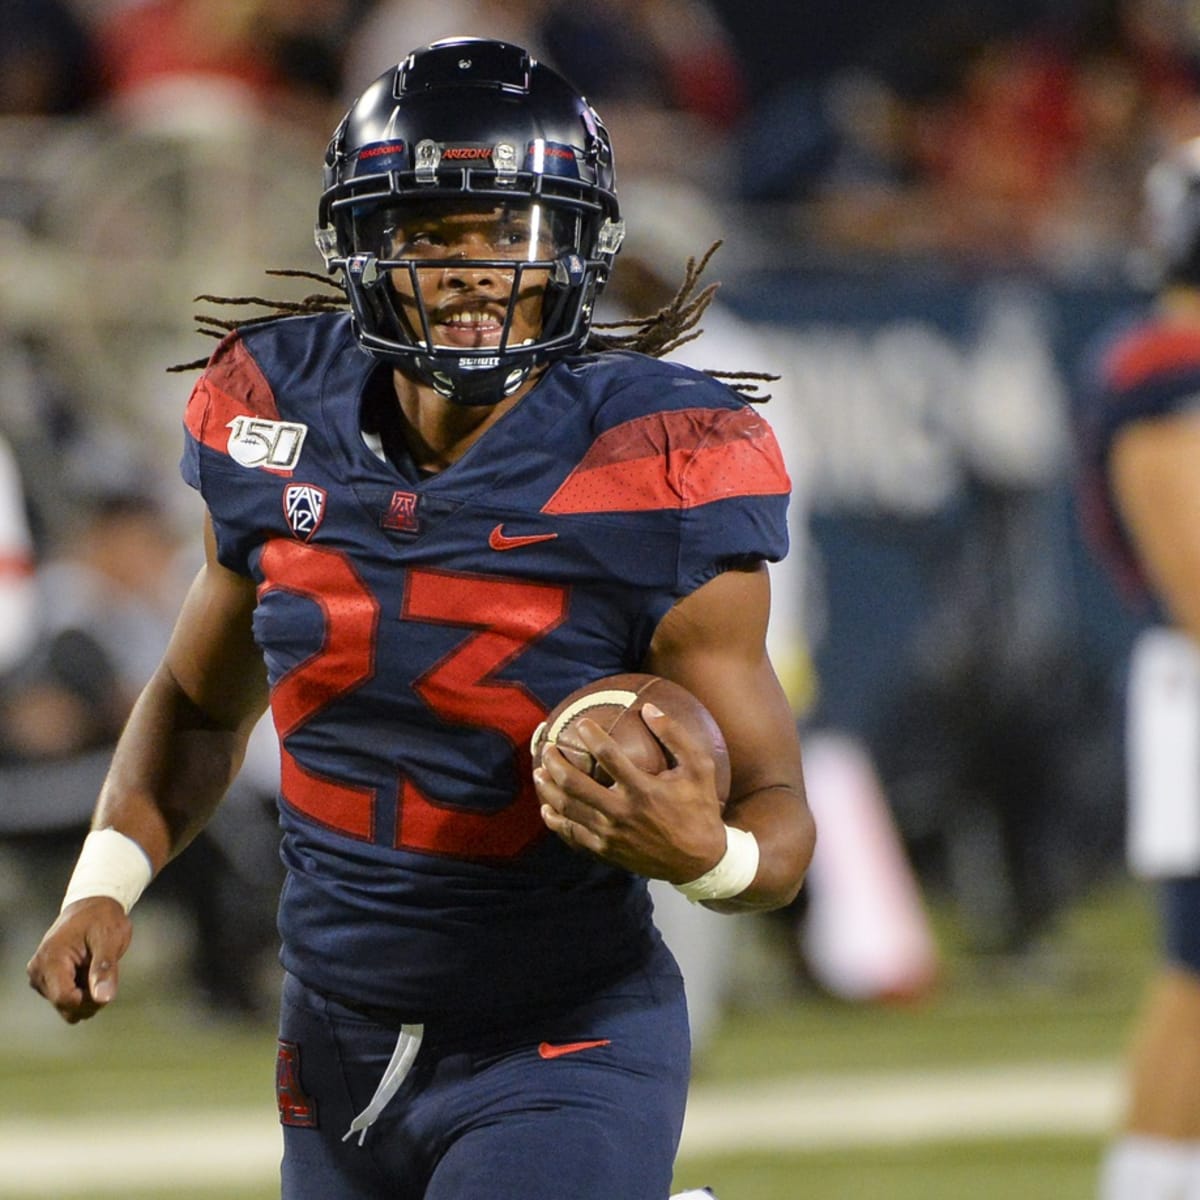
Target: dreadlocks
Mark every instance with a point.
(672, 326)
(331, 300)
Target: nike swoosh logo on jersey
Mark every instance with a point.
(499, 540)
(552, 1050)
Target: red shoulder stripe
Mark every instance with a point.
(1152, 350)
(678, 459)
(232, 385)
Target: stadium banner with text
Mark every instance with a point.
(946, 553)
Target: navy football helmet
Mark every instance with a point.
(470, 126)
(1172, 215)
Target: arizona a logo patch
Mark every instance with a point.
(401, 515)
(296, 1107)
(304, 507)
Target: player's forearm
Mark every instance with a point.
(782, 825)
(169, 772)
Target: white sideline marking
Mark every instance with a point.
(844, 1111)
(114, 1155)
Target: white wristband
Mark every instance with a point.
(732, 875)
(110, 864)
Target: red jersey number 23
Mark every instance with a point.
(504, 616)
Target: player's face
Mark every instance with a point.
(465, 267)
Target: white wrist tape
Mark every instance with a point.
(110, 864)
(732, 875)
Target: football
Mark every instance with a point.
(615, 704)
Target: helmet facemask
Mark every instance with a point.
(468, 294)
(470, 138)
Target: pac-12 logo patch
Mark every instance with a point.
(304, 507)
(257, 442)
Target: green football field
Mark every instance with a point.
(1001, 1086)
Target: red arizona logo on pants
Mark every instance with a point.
(295, 1106)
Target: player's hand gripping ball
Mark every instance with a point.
(615, 704)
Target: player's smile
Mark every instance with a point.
(470, 327)
(466, 305)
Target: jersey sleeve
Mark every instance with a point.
(688, 465)
(1143, 372)
(231, 422)
(734, 491)
(1151, 372)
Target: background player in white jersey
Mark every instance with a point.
(1140, 429)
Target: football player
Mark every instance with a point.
(1140, 434)
(429, 520)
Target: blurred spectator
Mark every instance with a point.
(956, 139)
(47, 60)
(104, 619)
(270, 56)
(995, 149)
(1136, 81)
(106, 606)
(1159, 43)
(672, 54)
(821, 77)
(665, 72)
(667, 76)
(393, 27)
(1006, 134)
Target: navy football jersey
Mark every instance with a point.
(1149, 368)
(417, 629)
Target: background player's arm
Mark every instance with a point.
(1157, 488)
(180, 750)
(669, 826)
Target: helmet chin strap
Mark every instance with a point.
(474, 387)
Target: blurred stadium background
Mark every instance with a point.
(929, 212)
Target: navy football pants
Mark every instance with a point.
(492, 1120)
